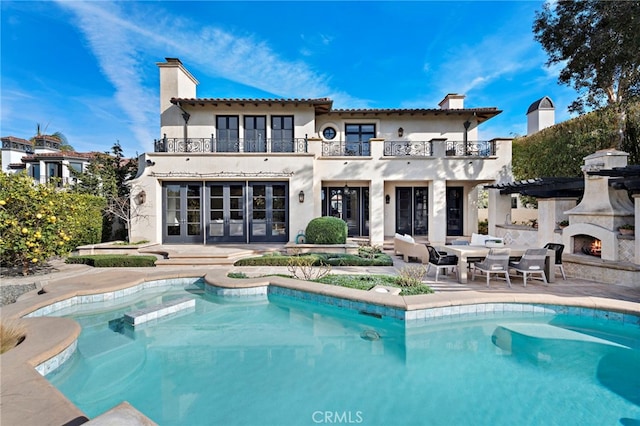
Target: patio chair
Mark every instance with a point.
(441, 260)
(532, 262)
(496, 262)
(558, 248)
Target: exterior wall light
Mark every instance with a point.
(400, 132)
(301, 196)
(387, 199)
(141, 197)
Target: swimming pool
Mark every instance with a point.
(275, 360)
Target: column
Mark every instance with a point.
(438, 212)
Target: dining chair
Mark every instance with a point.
(558, 248)
(532, 262)
(496, 262)
(441, 260)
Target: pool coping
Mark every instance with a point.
(28, 398)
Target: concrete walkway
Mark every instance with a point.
(27, 398)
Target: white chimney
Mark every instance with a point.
(175, 82)
(452, 101)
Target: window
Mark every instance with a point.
(282, 133)
(76, 166)
(329, 133)
(227, 133)
(357, 138)
(35, 171)
(255, 133)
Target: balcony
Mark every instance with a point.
(346, 149)
(292, 145)
(470, 148)
(414, 148)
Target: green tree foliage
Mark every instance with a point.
(559, 151)
(106, 176)
(38, 221)
(598, 44)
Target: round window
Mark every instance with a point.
(329, 133)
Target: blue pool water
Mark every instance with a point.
(273, 360)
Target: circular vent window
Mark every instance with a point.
(329, 133)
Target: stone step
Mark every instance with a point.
(151, 313)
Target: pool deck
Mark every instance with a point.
(27, 398)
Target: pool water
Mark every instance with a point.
(273, 360)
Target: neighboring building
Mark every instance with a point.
(42, 159)
(258, 170)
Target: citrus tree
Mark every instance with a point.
(38, 221)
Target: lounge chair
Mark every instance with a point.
(441, 260)
(532, 262)
(496, 262)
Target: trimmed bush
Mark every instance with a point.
(113, 261)
(326, 230)
(333, 259)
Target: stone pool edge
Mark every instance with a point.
(28, 398)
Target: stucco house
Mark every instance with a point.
(42, 159)
(258, 170)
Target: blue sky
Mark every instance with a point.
(88, 69)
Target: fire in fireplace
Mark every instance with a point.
(586, 244)
(593, 249)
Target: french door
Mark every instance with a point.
(350, 204)
(225, 212)
(182, 213)
(455, 210)
(411, 210)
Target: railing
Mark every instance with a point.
(341, 148)
(415, 148)
(17, 146)
(230, 145)
(470, 149)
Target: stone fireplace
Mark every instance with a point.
(602, 210)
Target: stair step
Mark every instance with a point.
(141, 316)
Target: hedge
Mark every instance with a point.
(113, 260)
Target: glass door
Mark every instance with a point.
(268, 212)
(454, 210)
(411, 210)
(182, 214)
(226, 210)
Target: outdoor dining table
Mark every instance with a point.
(466, 252)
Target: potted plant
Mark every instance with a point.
(563, 223)
(626, 229)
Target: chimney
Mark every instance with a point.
(452, 101)
(540, 115)
(175, 82)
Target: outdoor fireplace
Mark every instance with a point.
(588, 245)
(593, 224)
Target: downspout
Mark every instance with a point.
(185, 117)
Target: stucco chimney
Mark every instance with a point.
(452, 101)
(540, 115)
(175, 82)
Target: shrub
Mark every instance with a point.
(326, 230)
(38, 221)
(113, 260)
(483, 227)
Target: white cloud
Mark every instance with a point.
(124, 39)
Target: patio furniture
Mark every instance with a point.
(496, 262)
(558, 248)
(407, 247)
(440, 260)
(532, 262)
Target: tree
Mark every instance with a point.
(38, 221)
(107, 176)
(598, 42)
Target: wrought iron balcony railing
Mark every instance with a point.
(342, 148)
(293, 145)
(415, 148)
(470, 148)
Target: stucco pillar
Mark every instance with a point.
(499, 210)
(376, 212)
(550, 212)
(471, 211)
(438, 212)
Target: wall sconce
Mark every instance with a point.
(141, 197)
(400, 132)
(150, 163)
(387, 199)
(301, 196)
